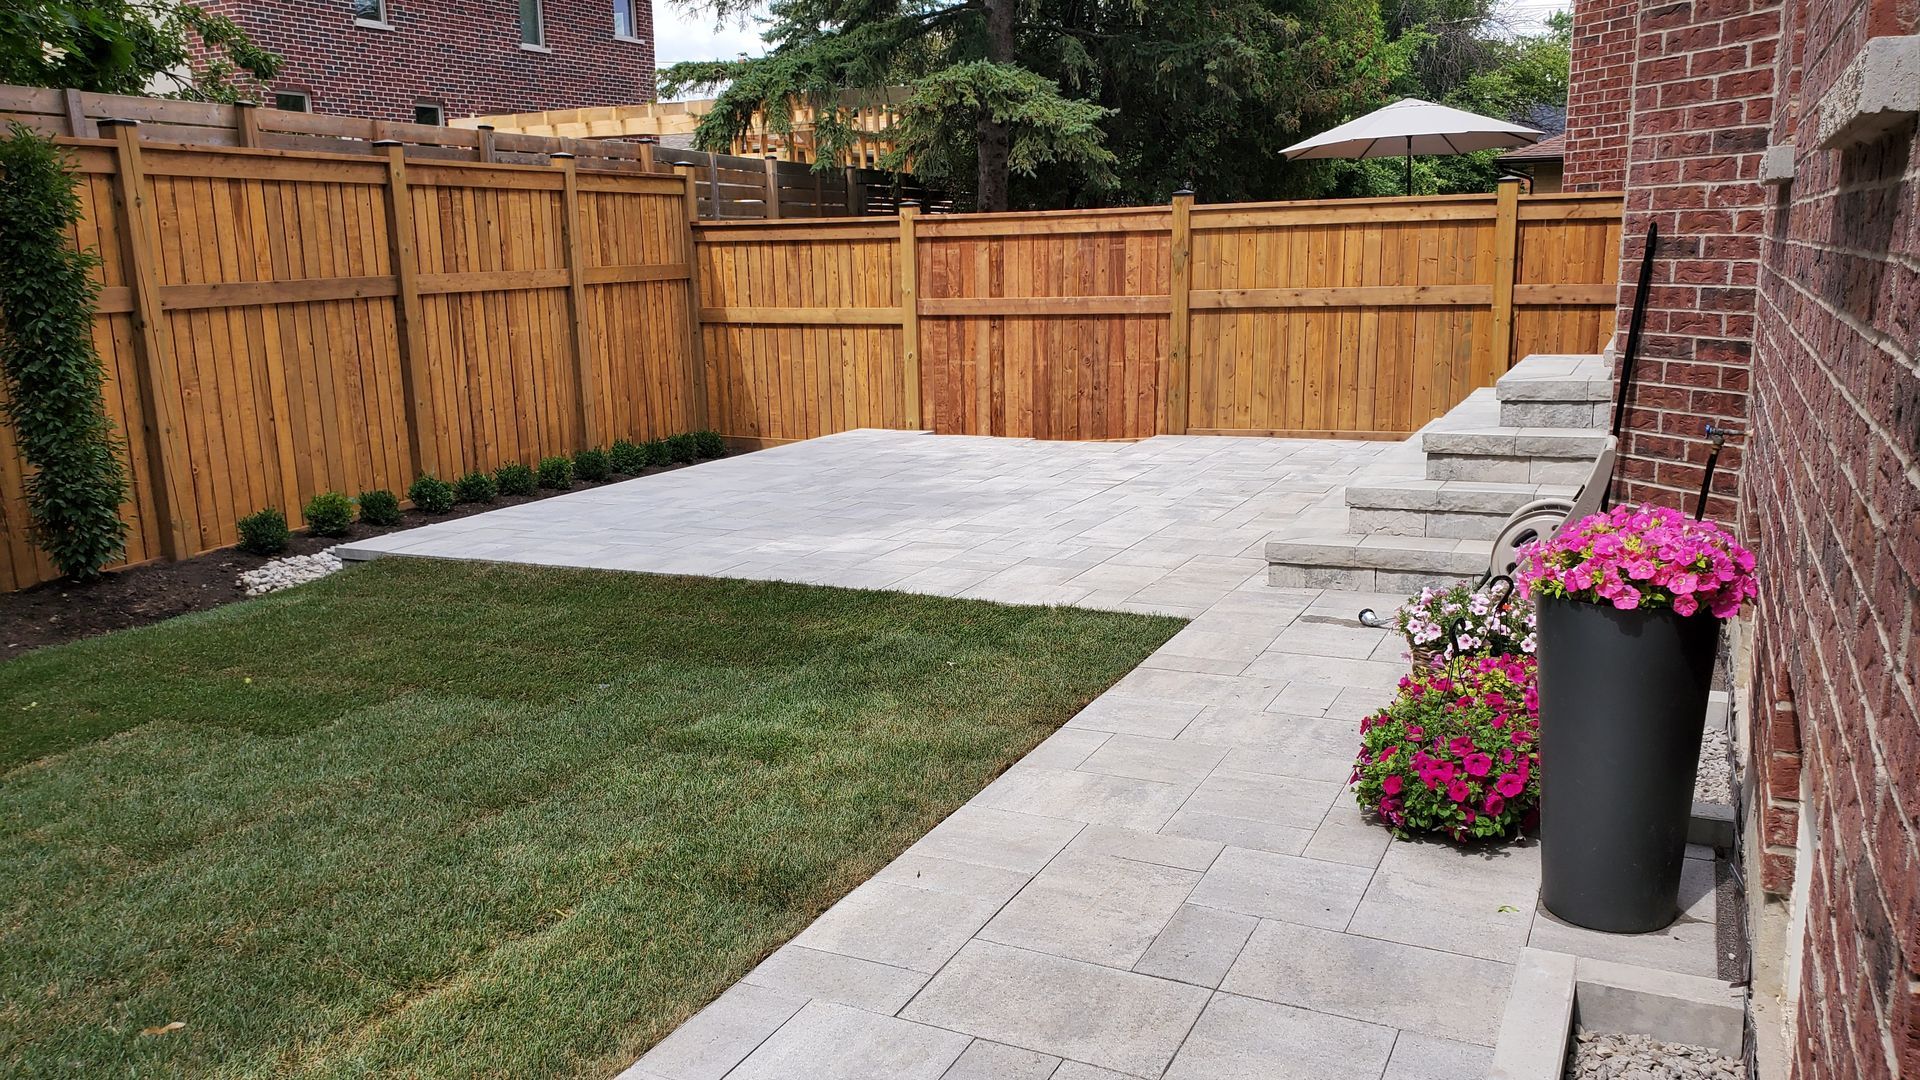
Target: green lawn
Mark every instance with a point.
(436, 819)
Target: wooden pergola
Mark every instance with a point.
(869, 115)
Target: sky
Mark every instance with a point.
(680, 34)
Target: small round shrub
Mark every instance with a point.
(265, 532)
(627, 459)
(431, 495)
(475, 487)
(329, 514)
(1457, 752)
(514, 478)
(591, 466)
(658, 456)
(709, 445)
(379, 507)
(556, 473)
(682, 449)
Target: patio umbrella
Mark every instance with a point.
(1411, 126)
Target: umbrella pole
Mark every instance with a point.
(1409, 164)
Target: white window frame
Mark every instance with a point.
(306, 100)
(540, 26)
(380, 23)
(633, 20)
(439, 111)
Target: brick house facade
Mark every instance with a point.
(1773, 141)
(463, 57)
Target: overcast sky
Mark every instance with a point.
(682, 35)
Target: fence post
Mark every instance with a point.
(856, 193)
(246, 123)
(1180, 317)
(166, 438)
(421, 431)
(585, 390)
(486, 154)
(773, 187)
(1506, 258)
(695, 342)
(910, 311)
(76, 113)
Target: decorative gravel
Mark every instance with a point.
(1596, 1056)
(1714, 782)
(288, 572)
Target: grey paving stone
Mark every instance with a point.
(721, 1035)
(1325, 639)
(1467, 917)
(1288, 887)
(1381, 982)
(1066, 748)
(1279, 800)
(899, 925)
(825, 1041)
(1126, 714)
(846, 980)
(1238, 831)
(1687, 946)
(989, 837)
(1097, 908)
(1347, 835)
(1077, 1070)
(1425, 1057)
(1197, 945)
(1111, 1019)
(1166, 850)
(1081, 796)
(1240, 1038)
(1183, 762)
(989, 883)
(984, 1060)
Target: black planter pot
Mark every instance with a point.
(1623, 698)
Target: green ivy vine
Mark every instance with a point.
(52, 371)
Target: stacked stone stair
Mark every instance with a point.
(1533, 435)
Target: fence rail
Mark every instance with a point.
(276, 323)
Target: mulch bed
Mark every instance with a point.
(57, 612)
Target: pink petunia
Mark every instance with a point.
(1478, 764)
(1509, 784)
(1392, 784)
(1458, 791)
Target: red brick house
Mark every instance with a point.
(428, 60)
(1773, 142)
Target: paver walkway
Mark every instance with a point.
(1175, 884)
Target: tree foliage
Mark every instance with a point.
(51, 369)
(125, 46)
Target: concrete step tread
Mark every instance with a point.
(1494, 440)
(1378, 551)
(1461, 496)
(1545, 377)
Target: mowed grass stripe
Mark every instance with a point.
(440, 819)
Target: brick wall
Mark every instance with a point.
(1833, 498)
(464, 55)
(1703, 82)
(1599, 94)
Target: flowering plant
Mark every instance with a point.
(1483, 621)
(1646, 556)
(1457, 752)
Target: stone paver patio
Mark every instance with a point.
(1175, 884)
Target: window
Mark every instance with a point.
(428, 114)
(370, 12)
(533, 26)
(623, 20)
(292, 101)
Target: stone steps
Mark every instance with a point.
(1453, 509)
(1557, 392)
(1373, 563)
(1512, 455)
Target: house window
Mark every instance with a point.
(292, 101)
(533, 25)
(370, 12)
(429, 114)
(623, 20)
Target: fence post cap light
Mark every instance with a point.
(905, 203)
(560, 155)
(1184, 189)
(483, 127)
(243, 104)
(382, 143)
(117, 121)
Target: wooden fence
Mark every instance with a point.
(278, 323)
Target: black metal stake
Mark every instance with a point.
(1627, 358)
(1717, 436)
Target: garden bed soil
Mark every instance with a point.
(56, 612)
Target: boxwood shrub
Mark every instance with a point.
(590, 466)
(556, 473)
(265, 532)
(475, 487)
(627, 459)
(709, 444)
(514, 478)
(682, 449)
(657, 453)
(431, 495)
(379, 507)
(329, 513)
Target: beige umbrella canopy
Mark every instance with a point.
(1411, 126)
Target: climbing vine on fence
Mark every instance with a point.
(52, 371)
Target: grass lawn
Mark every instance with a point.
(437, 819)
